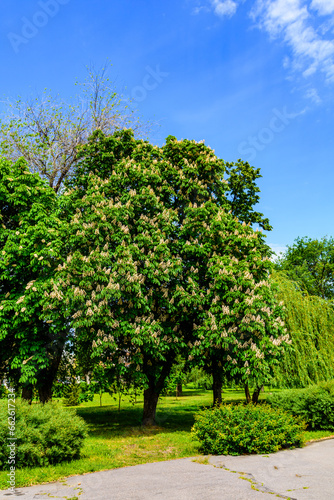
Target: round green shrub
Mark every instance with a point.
(315, 404)
(46, 434)
(242, 429)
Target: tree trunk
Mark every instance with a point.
(152, 393)
(27, 392)
(256, 394)
(45, 392)
(217, 388)
(151, 397)
(47, 378)
(178, 390)
(247, 393)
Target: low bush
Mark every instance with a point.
(45, 434)
(242, 429)
(315, 404)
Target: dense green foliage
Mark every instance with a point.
(242, 193)
(30, 342)
(310, 323)
(46, 434)
(240, 429)
(310, 263)
(315, 404)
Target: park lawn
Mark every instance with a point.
(117, 439)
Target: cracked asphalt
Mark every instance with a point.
(306, 473)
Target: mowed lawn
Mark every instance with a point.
(117, 439)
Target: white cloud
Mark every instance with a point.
(278, 249)
(324, 7)
(291, 21)
(197, 10)
(313, 95)
(276, 15)
(300, 26)
(224, 7)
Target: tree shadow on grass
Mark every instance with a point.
(109, 422)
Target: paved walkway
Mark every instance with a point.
(306, 473)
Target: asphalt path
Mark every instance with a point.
(304, 473)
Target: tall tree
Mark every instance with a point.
(310, 263)
(151, 241)
(119, 278)
(47, 131)
(31, 344)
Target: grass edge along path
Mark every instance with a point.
(117, 439)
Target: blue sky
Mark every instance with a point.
(254, 79)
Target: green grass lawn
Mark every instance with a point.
(117, 439)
